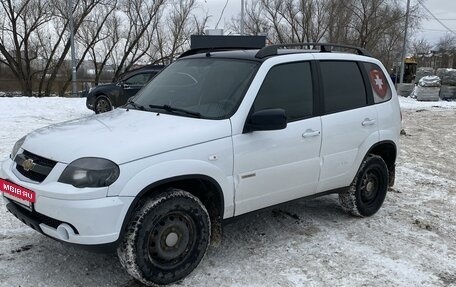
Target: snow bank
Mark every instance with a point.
(412, 104)
(409, 242)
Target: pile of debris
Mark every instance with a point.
(405, 89)
(432, 86)
(428, 88)
(448, 81)
(422, 72)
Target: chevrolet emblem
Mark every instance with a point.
(28, 164)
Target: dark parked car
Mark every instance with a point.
(104, 98)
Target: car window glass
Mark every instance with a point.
(211, 87)
(380, 87)
(138, 80)
(343, 86)
(289, 87)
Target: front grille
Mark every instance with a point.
(41, 169)
(35, 176)
(39, 160)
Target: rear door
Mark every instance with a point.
(349, 121)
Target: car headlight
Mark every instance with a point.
(16, 147)
(91, 89)
(90, 172)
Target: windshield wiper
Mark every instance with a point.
(136, 106)
(171, 109)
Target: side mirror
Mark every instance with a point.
(267, 120)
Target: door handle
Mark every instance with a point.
(368, 122)
(310, 133)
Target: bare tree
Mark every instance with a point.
(377, 25)
(421, 46)
(136, 35)
(339, 19)
(82, 9)
(255, 22)
(200, 23)
(173, 35)
(90, 34)
(101, 53)
(447, 43)
(446, 46)
(18, 43)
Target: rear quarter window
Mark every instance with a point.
(379, 83)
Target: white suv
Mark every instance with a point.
(215, 135)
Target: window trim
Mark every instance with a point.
(367, 84)
(315, 90)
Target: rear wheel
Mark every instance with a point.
(166, 239)
(368, 190)
(102, 104)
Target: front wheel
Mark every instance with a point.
(368, 190)
(166, 239)
(102, 105)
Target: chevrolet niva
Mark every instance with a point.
(215, 135)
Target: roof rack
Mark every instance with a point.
(209, 50)
(212, 43)
(324, 47)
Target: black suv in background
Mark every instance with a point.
(104, 98)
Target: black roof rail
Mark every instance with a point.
(324, 47)
(209, 50)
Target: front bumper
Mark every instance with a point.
(90, 101)
(86, 221)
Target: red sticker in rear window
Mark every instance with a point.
(378, 82)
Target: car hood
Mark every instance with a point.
(122, 136)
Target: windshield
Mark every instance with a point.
(209, 88)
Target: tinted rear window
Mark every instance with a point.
(343, 86)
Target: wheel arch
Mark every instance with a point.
(102, 94)
(387, 150)
(205, 188)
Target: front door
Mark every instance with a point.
(271, 167)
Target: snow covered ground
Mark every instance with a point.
(411, 241)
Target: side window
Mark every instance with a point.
(138, 80)
(343, 86)
(380, 87)
(289, 87)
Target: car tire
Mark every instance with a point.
(368, 190)
(102, 104)
(166, 239)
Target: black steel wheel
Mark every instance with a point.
(102, 105)
(368, 190)
(166, 239)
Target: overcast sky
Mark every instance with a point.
(445, 11)
(431, 29)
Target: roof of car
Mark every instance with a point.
(266, 52)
